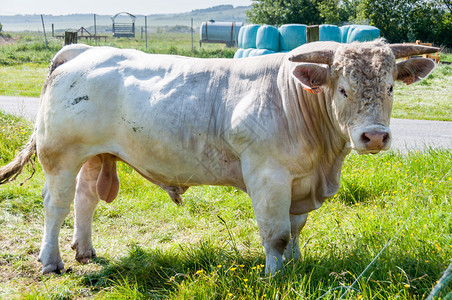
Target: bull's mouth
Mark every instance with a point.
(364, 152)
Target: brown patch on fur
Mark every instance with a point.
(49, 159)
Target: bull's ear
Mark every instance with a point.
(414, 69)
(311, 76)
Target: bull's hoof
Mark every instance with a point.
(84, 256)
(53, 268)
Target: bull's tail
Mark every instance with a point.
(10, 172)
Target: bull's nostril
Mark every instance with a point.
(365, 138)
(386, 138)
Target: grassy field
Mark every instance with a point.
(23, 68)
(149, 248)
(430, 99)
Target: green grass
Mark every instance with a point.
(149, 248)
(430, 99)
(24, 80)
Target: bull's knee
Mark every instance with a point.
(280, 243)
(274, 249)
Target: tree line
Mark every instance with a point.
(398, 20)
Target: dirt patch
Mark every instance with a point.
(6, 39)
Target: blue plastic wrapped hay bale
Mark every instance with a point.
(238, 53)
(291, 36)
(253, 52)
(267, 38)
(259, 52)
(265, 51)
(248, 35)
(363, 33)
(329, 33)
(246, 52)
(344, 32)
(240, 39)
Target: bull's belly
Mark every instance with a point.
(185, 170)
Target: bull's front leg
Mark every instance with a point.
(297, 223)
(270, 191)
(58, 194)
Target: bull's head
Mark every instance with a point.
(359, 80)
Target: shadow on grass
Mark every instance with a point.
(156, 271)
(190, 271)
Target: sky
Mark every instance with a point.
(108, 7)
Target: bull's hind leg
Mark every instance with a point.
(86, 200)
(58, 194)
(97, 180)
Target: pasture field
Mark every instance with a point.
(23, 68)
(209, 248)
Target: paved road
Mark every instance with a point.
(407, 134)
(21, 106)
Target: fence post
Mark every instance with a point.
(191, 29)
(312, 33)
(44, 28)
(146, 30)
(95, 29)
(70, 37)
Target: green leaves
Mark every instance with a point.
(278, 12)
(399, 21)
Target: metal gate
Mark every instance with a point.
(123, 29)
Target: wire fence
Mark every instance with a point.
(442, 283)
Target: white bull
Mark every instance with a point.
(277, 126)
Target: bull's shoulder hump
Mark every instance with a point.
(66, 54)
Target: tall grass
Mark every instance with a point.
(209, 247)
(27, 52)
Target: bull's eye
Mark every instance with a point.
(342, 91)
(391, 89)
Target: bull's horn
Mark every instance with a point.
(405, 50)
(318, 52)
(320, 57)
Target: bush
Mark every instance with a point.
(410, 20)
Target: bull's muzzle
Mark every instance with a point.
(376, 140)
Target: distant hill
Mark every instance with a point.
(104, 22)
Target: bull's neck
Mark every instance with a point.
(311, 121)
